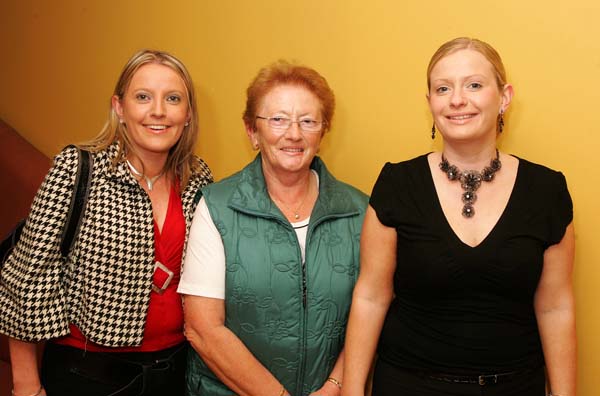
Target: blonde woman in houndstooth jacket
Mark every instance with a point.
(111, 313)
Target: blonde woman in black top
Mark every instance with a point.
(466, 255)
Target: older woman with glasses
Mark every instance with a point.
(273, 253)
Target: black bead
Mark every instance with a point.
(496, 165)
(488, 174)
(469, 197)
(470, 180)
(444, 166)
(468, 211)
(452, 173)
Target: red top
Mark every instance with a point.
(164, 322)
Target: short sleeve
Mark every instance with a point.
(561, 211)
(382, 196)
(204, 266)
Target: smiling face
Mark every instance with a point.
(464, 96)
(291, 150)
(154, 109)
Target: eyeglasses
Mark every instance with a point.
(283, 123)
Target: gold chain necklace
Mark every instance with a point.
(297, 211)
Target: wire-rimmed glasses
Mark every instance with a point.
(281, 123)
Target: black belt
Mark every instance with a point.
(483, 379)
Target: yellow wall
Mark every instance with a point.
(60, 59)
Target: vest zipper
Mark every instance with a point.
(311, 227)
(302, 365)
(304, 285)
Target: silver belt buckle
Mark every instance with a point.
(161, 290)
(488, 379)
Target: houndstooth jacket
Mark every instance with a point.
(104, 286)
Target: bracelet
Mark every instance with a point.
(38, 393)
(335, 382)
(282, 393)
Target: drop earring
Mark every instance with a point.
(433, 131)
(501, 122)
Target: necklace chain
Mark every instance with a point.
(149, 180)
(470, 180)
(297, 211)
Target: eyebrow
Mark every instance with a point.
(175, 91)
(300, 115)
(469, 77)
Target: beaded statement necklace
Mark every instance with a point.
(149, 180)
(470, 181)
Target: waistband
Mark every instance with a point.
(137, 371)
(481, 379)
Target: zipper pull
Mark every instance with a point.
(304, 293)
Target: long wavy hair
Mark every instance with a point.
(181, 160)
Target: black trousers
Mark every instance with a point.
(389, 380)
(68, 371)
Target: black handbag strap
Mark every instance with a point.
(78, 201)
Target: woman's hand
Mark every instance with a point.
(222, 351)
(333, 385)
(328, 389)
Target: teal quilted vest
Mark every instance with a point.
(292, 317)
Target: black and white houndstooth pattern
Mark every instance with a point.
(104, 287)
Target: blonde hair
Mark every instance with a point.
(181, 160)
(474, 44)
(281, 73)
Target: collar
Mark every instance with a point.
(119, 171)
(251, 196)
(103, 160)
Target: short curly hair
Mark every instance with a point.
(282, 73)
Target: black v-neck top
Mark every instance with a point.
(461, 309)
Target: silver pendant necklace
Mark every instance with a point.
(149, 180)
